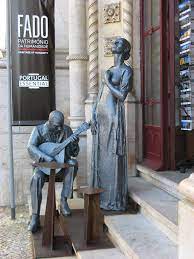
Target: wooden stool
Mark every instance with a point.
(94, 218)
(51, 212)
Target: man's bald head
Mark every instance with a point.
(56, 120)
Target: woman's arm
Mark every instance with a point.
(125, 85)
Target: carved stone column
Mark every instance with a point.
(92, 71)
(93, 48)
(77, 61)
(128, 21)
(185, 219)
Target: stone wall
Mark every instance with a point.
(4, 190)
(22, 168)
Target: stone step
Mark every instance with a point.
(165, 180)
(111, 253)
(138, 238)
(156, 204)
(66, 257)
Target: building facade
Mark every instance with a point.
(84, 33)
(157, 144)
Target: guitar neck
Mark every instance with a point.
(65, 143)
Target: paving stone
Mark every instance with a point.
(15, 240)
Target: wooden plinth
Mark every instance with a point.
(82, 231)
(92, 213)
(50, 214)
(75, 226)
(51, 241)
(61, 248)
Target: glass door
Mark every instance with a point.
(153, 82)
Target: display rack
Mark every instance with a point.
(186, 86)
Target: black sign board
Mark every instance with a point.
(33, 60)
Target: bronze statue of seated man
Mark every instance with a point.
(53, 131)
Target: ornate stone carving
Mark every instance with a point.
(127, 18)
(61, 58)
(93, 46)
(77, 57)
(112, 13)
(108, 42)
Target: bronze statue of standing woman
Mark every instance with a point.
(109, 158)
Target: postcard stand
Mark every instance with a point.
(186, 87)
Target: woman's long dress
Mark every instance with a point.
(109, 159)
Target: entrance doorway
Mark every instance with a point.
(154, 82)
(165, 145)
